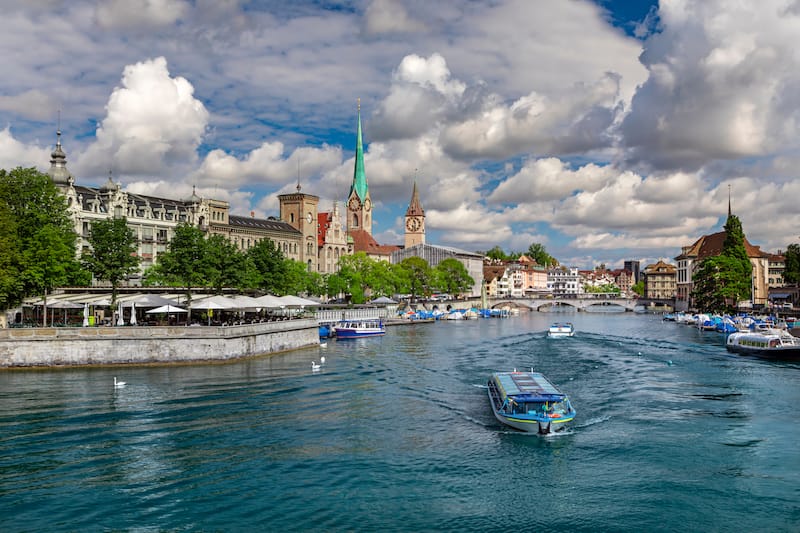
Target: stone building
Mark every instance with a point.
(660, 280)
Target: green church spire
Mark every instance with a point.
(359, 177)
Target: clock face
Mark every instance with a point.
(412, 224)
(367, 204)
(309, 218)
(354, 204)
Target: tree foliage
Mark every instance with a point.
(538, 253)
(41, 245)
(225, 265)
(112, 256)
(267, 267)
(792, 257)
(721, 282)
(183, 263)
(452, 277)
(420, 276)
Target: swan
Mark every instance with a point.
(118, 384)
(314, 366)
(322, 359)
(323, 344)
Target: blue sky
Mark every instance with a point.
(604, 130)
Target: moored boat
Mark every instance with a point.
(358, 328)
(561, 329)
(767, 343)
(527, 401)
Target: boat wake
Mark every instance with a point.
(593, 421)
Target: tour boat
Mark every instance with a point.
(527, 401)
(561, 329)
(358, 328)
(767, 343)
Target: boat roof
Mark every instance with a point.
(527, 386)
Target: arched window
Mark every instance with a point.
(291, 218)
(295, 247)
(355, 220)
(336, 254)
(309, 249)
(309, 265)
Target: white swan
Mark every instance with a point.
(323, 344)
(314, 366)
(118, 384)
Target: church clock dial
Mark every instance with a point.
(412, 224)
(309, 218)
(353, 203)
(367, 204)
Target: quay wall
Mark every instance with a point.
(42, 347)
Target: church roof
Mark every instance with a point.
(711, 245)
(364, 242)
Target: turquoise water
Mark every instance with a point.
(396, 434)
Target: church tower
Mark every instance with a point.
(359, 203)
(415, 220)
(300, 211)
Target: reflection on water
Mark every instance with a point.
(396, 433)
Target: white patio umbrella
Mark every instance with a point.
(133, 314)
(167, 309)
(85, 315)
(120, 321)
(296, 301)
(211, 304)
(270, 301)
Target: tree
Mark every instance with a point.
(11, 286)
(183, 263)
(722, 281)
(538, 253)
(225, 265)
(113, 252)
(452, 277)
(44, 248)
(266, 266)
(792, 257)
(638, 287)
(497, 253)
(419, 276)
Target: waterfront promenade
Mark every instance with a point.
(36, 347)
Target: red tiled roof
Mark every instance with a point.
(711, 245)
(364, 242)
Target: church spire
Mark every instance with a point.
(729, 200)
(415, 206)
(359, 176)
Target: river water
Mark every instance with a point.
(396, 434)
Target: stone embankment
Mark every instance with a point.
(43, 347)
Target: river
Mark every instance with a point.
(673, 433)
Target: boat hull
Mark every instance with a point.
(778, 346)
(527, 402)
(778, 354)
(350, 334)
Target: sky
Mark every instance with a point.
(604, 130)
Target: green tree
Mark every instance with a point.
(183, 264)
(11, 286)
(497, 253)
(792, 257)
(44, 235)
(538, 253)
(722, 281)
(452, 277)
(113, 252)
(638, 287)
(266, 266)
(225, 265)
(419, 276)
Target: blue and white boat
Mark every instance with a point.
(358, 328)
(527, 401)
(561, 329)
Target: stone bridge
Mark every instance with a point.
(580, 304)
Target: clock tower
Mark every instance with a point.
(415, 221)
(300, 211)
(359, 203)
